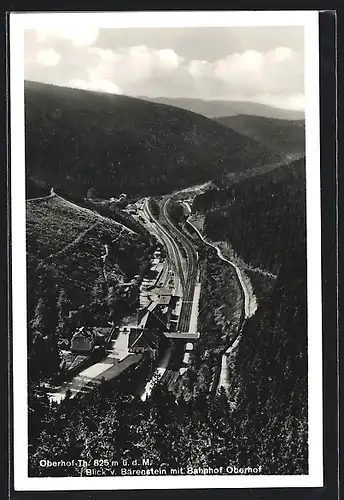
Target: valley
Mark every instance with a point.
(166, 286)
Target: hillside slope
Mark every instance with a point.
(262, 218)
(78, 140)
(214, 108)
(76, 263)
(67, 244)
(284, 136)
(272, 395)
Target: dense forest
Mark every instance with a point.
(269, 387)
(284, 136)
(261, 422)
(88, 140)
(263, 218)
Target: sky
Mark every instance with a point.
(259, 64)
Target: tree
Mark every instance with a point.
(44, 359)
(91, 193)
(44, 354)
(39, 321)
(154, 207)
(175, 211)
(63, 308)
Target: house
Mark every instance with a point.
(189, 346)
(83, 340)
(142, 340)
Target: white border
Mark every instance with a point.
(19, 22)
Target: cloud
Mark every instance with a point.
(99, 85)
(168, 59)
(79, 35)
(74, 57)
(48, 57)
(131, 65)
(197, 68)
(296, 101)
(278, 72)
(282, 54)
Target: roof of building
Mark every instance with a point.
(143, 338)
(84, 332)
(163, 291)
(103, 330)
(182, 335)
(165, 299)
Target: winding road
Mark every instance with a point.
(250, 306)
(249, 299)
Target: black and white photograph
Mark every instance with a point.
(166, 259)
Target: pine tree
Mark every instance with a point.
(39, 321)
(44, 353)
(63, 308)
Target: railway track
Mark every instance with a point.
(184, 259)
(172, 248)
(191, 268)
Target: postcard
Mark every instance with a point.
(166, 250)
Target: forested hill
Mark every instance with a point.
(78, 139)
(270, 375)
(285, 136)
(216, 107)
(263, 218)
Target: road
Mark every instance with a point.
(92, 376)
(250, 306)
(117, 360)
(51, 195)
(250, 301)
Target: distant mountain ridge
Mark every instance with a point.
(215, 108)
(78, 139)
(284, 136)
